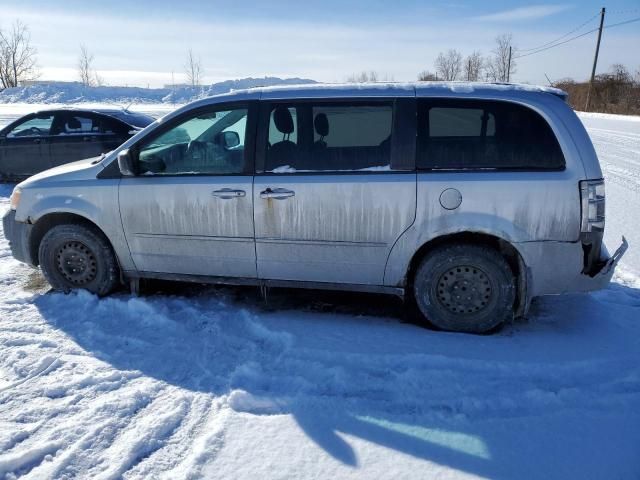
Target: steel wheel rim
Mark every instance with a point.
(76, 263)
(464, 289)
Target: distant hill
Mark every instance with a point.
(75, 92)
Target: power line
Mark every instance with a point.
(624, 12)
(578, 36)
(563, 36)
(637, 19)
(557, 44)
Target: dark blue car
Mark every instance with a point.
(49, 138)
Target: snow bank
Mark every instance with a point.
(609, 116)
(74, 92)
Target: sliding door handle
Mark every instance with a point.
(277, 193)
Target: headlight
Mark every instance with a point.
(15, 198)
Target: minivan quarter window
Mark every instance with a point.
(484, 134)
(332, 137)
(208, 142)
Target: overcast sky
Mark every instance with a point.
(142, 42)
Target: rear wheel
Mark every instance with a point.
(78, 257)
(465, 288)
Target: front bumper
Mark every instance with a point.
(17, 233)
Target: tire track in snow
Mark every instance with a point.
(200, 432)
(146, 432)
(21, 463)
(47, 365)
(206, 444)
(67, 419)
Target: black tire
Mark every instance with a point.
(74, 256)
(465, 288)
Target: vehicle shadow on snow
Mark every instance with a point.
(342, 366)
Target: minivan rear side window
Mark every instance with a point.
(458, 134)
(333, 137)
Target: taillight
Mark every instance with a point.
(592, 197)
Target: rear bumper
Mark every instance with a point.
(18, 235)
(601, 277)
(557, 267)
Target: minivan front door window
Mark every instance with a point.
(208, 143)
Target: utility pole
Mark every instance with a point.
(509, 66)
(469, 71)
(595, 61)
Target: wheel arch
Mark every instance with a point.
(50, 220)
(505, 248)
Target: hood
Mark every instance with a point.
(81, 169)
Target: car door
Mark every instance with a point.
(25, 146)
(335, 188)
(75, 136)
(189, 209)
(110, 133)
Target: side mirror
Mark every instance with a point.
(230, 139)
(125, 163)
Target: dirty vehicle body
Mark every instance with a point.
(48, 138)
(470, 198)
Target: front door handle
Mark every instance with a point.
(277, 193)
(228, 193)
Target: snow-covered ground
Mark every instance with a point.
(210, 382)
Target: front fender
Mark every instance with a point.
(95, 200)
(71, 204)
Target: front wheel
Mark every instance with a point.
(465, 288)
(75, 256)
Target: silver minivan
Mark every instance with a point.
(468, 199)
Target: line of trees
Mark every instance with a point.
(496, 67)
(617, 91)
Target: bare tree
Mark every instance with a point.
(363, 76)
(621, 73)
(499, 68)
(427, 76)
(473, 66)
(193, 69)
(449, 65)
(17, 56)
(368, 76)
(85, 66)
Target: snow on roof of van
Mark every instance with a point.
(377, 89)
(394, 88)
